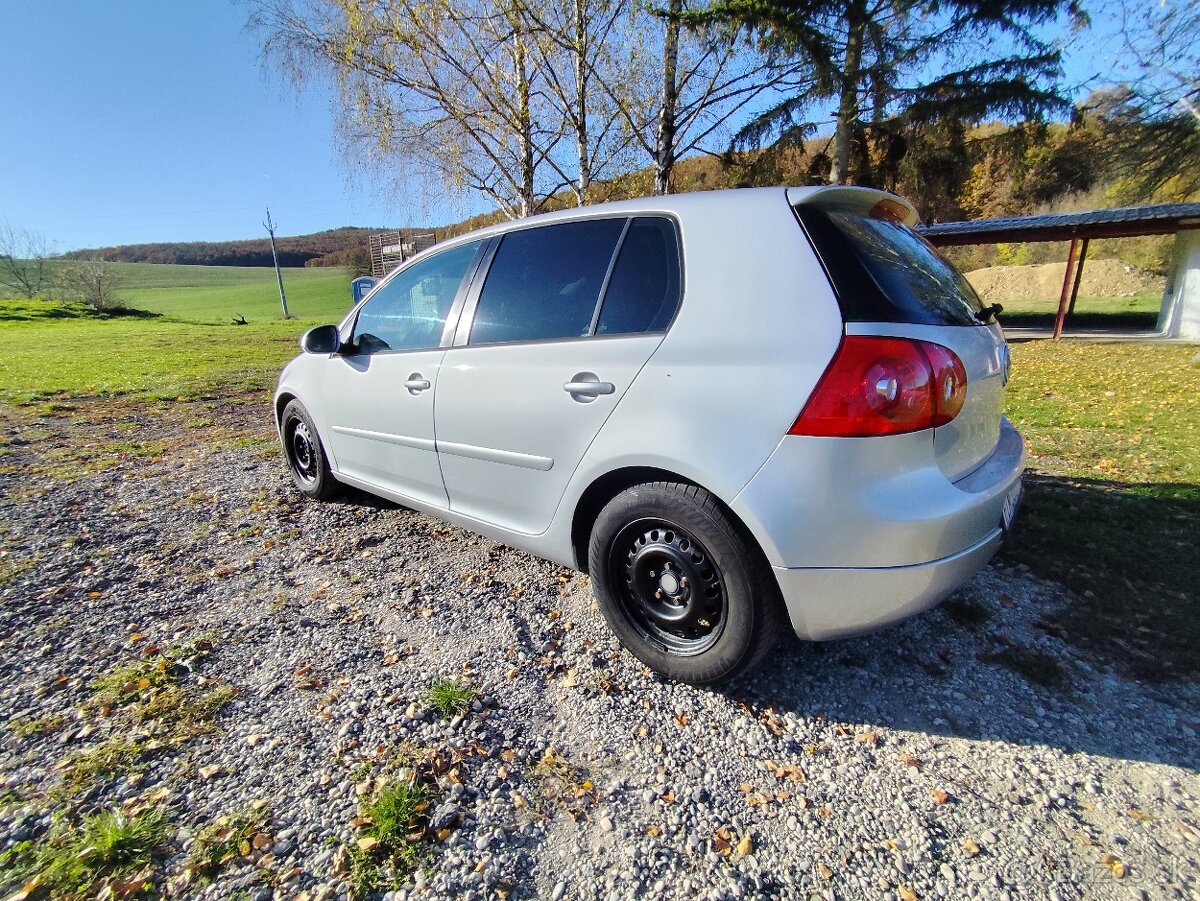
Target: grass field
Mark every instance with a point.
(190, 348)
(1113, 508)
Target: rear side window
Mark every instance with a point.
(885, 272)
(643, 290)
(545, 282)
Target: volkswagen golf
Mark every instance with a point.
(737, 411)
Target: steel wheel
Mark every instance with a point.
(301, 453)
(671, 590)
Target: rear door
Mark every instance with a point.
(378, 392)
(566, 318)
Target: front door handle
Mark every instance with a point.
(585, 387)
(416, 383)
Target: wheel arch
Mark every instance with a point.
(284, 398)
(609, 485)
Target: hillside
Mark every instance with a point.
(335, 247)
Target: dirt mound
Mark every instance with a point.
(1101, 278)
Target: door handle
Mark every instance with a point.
(585, 387)
(416, 384)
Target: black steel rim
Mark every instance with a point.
(670, 588)
(303, 453)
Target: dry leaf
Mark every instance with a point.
(207, 772)
(654, 830)
(367, 844)
(970, 847)
(746, 845)
(868, 738)
(261, 840)
(668, 797)
(939, 796)
(910, 761)
(722, 840)
(906, 894)
(825, 872)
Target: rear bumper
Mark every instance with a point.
(861, 533)
(837, 603)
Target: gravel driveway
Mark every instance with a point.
(966, 753)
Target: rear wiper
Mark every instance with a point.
(988, 312)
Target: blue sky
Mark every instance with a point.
(129, 121)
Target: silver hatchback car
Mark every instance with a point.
(732, 409)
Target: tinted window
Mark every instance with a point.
(885, 272)
(409, 312)
(545, 282)
(644, 289)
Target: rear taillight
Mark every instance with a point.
(884, 386)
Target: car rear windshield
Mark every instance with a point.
(883, 271)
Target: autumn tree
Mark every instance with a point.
(24, 266)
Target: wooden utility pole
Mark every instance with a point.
(270, 227)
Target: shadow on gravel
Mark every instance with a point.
(933, 675)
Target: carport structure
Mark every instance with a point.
(1179, 315)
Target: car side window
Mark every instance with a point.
(545, 282)
(643, 292)
(409, 312)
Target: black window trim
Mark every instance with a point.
(462, 334)
(452, 317)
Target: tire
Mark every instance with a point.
(682, 586)
(306, 456)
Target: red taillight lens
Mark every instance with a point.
(884, 386)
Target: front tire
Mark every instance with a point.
(681, 585)
(306, 457)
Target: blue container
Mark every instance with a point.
(360, 286)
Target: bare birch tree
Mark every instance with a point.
(454, 90)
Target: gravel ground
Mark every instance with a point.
(925, 761)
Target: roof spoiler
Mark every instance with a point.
(848, 198)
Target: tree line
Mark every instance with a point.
(533, 103)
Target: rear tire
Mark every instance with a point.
(306, 456)
(681, 585)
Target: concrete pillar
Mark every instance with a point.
(1180, 313)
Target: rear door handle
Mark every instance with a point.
(592, 388)
(585, 387)
(416, 384)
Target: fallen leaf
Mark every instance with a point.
(939, 796)
(746, 845)
(910, 761)
(970, 847)
(261, 840)
(906, 894)
(244, 848)
(668, 797)
(868, 738)
(207, 772)
(1114, 863)
(681, 719)
(654, 830)
(825, 872)
(367, 844)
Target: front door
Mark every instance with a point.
(378, 392)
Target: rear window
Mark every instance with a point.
(885, 272)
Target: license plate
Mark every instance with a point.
(1011, 503)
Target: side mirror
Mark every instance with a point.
(324, 339)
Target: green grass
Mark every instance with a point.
(449, 697)
(1139, 312)
(108, 853)
(1113, 504)
(189, 349)
(160, 358)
